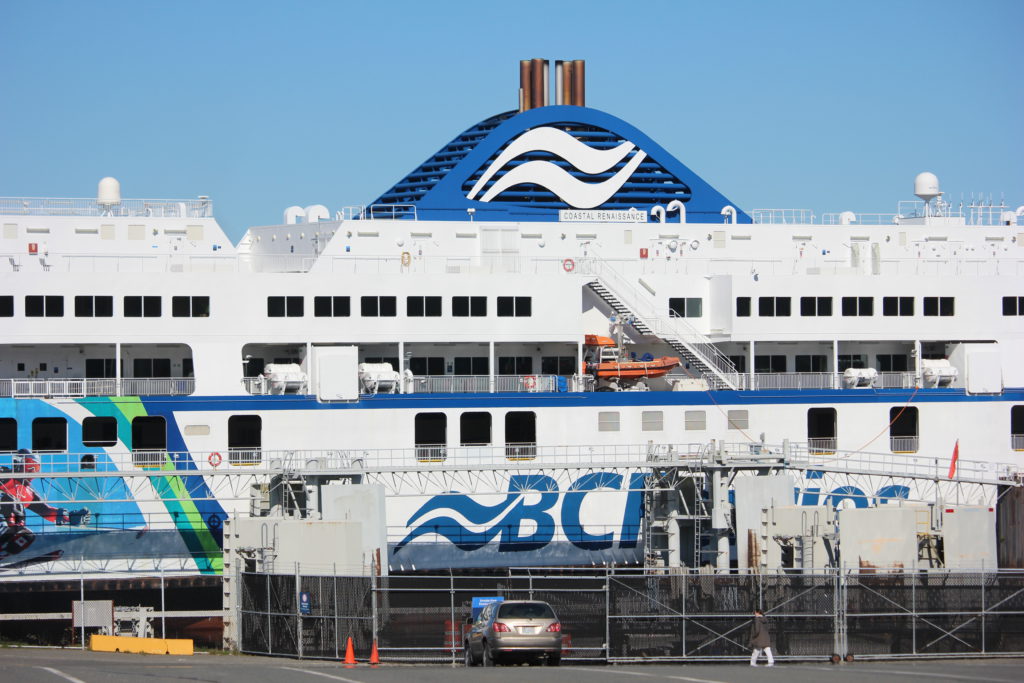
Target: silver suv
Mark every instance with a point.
(514, 630)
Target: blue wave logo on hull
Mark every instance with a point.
(522, 526)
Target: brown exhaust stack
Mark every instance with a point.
(579, 83)
(537, 83)
(524, 85)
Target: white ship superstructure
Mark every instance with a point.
(436, 343)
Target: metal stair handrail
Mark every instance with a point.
(663, 327)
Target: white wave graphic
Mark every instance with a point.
(572, 191)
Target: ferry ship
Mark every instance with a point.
(552, 343)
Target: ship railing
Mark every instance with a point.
(793, 380)
(481, 384)
(78, 387)
(87, 206)
(1017, 442)
(783, 216)
(814, 455)
(904, 444)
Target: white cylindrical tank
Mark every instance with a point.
(926, 186)
(109, 192)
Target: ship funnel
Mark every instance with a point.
(535, 87)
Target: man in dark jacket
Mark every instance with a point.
(759, 639)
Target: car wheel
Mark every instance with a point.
(554, 660)
(467, 655)
(488, 659)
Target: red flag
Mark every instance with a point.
(956, 456)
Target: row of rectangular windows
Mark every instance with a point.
(49, 306)
(387, 306)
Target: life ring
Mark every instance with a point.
(530, 382)
(215, 460)
(568, 265)
(406, 258)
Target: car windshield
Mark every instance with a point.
(526, 610)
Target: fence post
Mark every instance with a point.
(607, 614)
(373, 598)
(163, 605)
(983, 607)
(686, 594)
(270, 621)
(451, 614)
(337, 635)
(81, 612)
(298, 611)
(913, 613)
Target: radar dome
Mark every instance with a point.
(926, 186)
(109, 193)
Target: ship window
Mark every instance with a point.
(48, 306)
(378, 306)
(94, 306)
(149, 440)
(743, 307)
(816, 305)
(8, 435)
(515, 306)
(767, 363)
(285, 307)
(811, 363)
(1012, 305)
(852, 360)
(652, 421)
(608, 421)
(475, 429)
(892, 362)
(558, 365)
(773, 306)
(938, 305)
(475, 365)
(903, 429)
(469, 306)
(422, 365)
(897, 305)
(423, 306)
(6, 306)
(245, 439)
(1016, 429)
(515, 365)
(695, 420)
(821, 431)
(49, 434)
(146, 368)
(520, 435)
(685, 307)
(142, 307)
(858, 305)
(738, 419)
(99, 431)
(190, 306)
(739, 362)
(431, 437)
(332, 306)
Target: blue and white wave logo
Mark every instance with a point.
(571, 190)
(520, 525)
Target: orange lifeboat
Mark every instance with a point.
(658, 367)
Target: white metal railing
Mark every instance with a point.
(812, 455)
(783, 216)
(903, 444)
(83, 206)
(822, 445)
(481, 384)
(1017, 442)
(77, 387)
(794, 380)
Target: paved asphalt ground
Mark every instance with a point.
(42, 665)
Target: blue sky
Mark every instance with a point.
(821, 105)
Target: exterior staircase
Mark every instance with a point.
(702, 357)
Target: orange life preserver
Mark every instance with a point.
(568, 265)
(530, 382)
(215, 460)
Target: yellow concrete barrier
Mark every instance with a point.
(151, 646)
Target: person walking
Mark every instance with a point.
(759, 640)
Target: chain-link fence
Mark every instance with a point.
(628, 615)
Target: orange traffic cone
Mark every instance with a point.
(350, 654)
(374, 657)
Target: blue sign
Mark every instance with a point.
(480, 603)
(305, 603)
